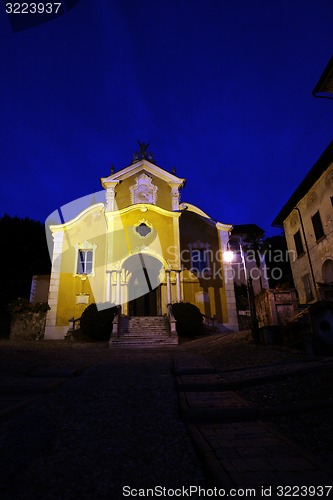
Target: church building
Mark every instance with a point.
(141, 249)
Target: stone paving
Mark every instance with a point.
(116, 424)
(141, 418)
(239, 451)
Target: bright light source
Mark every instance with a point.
(228, 256)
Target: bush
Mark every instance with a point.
(27, 320)
(96, 323)
(189, 319)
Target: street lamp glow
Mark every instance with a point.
(229, 256)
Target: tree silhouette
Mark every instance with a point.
(23, 253)
(277, 262)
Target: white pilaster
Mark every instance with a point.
(108, 286)
(232, 323)
(175, 195)
(168, 286)
(51, 317)
(179, 292)
(110, 197)
(118, 287)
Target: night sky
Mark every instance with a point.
(222, 89)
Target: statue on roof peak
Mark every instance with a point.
(143, 153)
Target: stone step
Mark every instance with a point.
(143, 342)
(148, 337)
(145, 334)
(132, 338)
(144, 319)
(147, 324)
(144, 328)
(146, 331)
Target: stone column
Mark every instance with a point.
(175, 197)
(51, 330)
(179, 292)
(108, 286)
(223, 231)
(169, 296)
(110, 196)
(118, 287)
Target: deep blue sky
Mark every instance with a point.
(222, 89)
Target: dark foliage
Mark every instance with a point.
(23, 305)
(96, 321)
(242, 301)
(189, 319)
(277, 262)
(23, 253)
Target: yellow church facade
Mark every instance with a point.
(141, 249)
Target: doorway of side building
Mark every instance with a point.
(144, 290)
(327, 271)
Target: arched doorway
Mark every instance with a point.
(327, 271)
(144, 291)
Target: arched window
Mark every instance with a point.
(327, 271)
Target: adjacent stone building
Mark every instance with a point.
(307, 218)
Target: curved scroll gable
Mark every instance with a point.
(144, 190)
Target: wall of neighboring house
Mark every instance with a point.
(316, 212)
(39, 288)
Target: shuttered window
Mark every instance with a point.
(317, 226)
(298, 244)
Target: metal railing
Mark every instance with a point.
(116, 324)
(209, 322)
(172, 320)
(74, 324)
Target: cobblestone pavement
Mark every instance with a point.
(98, 420)
(116, 424)
(239, 450)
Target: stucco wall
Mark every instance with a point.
(317, 198)
(123, 195)
(206, 290)
(111, 231)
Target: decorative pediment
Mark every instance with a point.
(148, 179)
(85, 245)
(144, 190)
(137, 168)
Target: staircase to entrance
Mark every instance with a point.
(148, 331)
